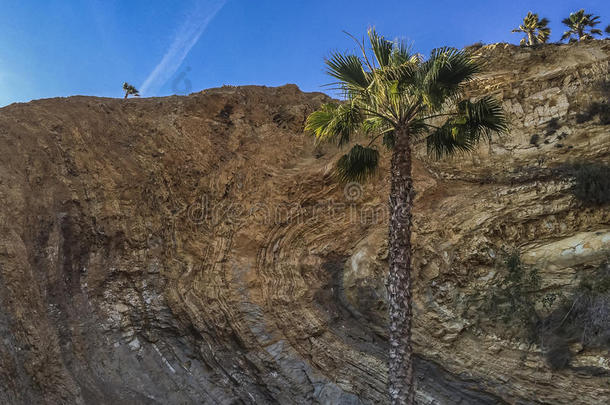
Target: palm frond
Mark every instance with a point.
(417, 128)
(401, 54)
(334, 122)
(377, 100)
(474, 121)
(484, 116)
(320, 122)
(447, 140)
(348, 70)
(444, 74)
(382, 48)
(543, 35)
(402, 72)
(376, 128)
(389, 140)
(358, 164)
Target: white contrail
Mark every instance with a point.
(186, 37)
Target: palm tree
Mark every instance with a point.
(578, 23)
(607, 30)
(130, 90)
(536, 30)
(398, 99)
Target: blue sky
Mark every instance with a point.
(90, 47)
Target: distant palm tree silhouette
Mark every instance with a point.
(130, 90)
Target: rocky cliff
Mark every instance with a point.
(198, 249)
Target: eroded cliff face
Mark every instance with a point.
(198, 249)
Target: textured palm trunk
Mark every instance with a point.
(401, 387)
(530, 38)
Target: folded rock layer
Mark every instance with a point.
(198, 249)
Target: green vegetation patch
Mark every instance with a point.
(599, 109)
(582, 318)
(515, 306)
(592, 184)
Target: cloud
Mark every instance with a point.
(186, 37)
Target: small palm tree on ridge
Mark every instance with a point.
(579, 23)
(536, 30)
(130, 90)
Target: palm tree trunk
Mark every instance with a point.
(530, 38)
(402, 391)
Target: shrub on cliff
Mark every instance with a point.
(592, 184)
(583, 319)
(600, 109)
(557, 320)
(474, 47)
(512, 299)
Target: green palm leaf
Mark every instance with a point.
(474, 121)
(348, 70)
(444, 74)
(484, 116)
(382, 48)
(358, 164)
(447, 140)
(401, 54)
(334, 122)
